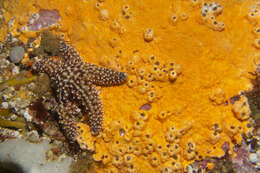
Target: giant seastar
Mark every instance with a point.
(73, 82)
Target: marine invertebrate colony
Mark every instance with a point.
(74, 84)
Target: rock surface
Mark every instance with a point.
(19, 156)
(17, 54)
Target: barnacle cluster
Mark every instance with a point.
(253, 17)
(127, 146)
(143, 78)
(209, 12)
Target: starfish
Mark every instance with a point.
(74, 84)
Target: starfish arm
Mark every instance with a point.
(95, 115)
(42, 65)
(95, 108)
(67, 119)
(68, 52)
(102, 76)
(47, 65)
(88, 99)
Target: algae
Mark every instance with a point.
(254, 99)
(83, 164)
(49, 45)
(5, 112)
(19, 123)
(18, 81)
(223, 165)
(2, 19)
(13, 124)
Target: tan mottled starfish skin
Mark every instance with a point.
(73, 82)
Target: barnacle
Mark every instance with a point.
(241, 108)
(148, 34)
(257, 43)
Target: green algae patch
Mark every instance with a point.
(49, 45)
(13, 124)
(5, 113)
(17, 81)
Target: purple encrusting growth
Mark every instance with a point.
(73, 82)
(145, 107)
(43, 19)
(234, 99)
(227, 163)
(241, 162)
